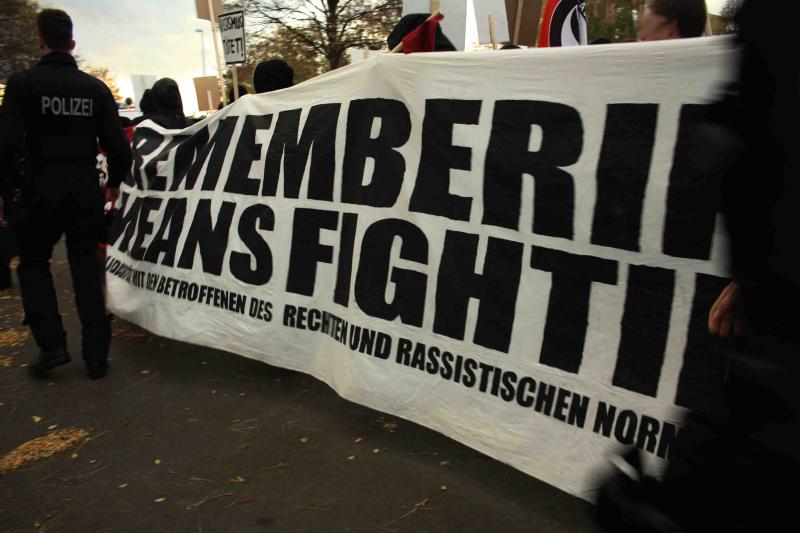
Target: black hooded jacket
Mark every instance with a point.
(165, 99)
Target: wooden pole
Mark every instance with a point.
(492, 33)
(518, 22)
(235, 76)
(215, 38)
(399, 48)
(210, 100)
(539, 23)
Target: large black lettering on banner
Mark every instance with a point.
(375, 271)
(394, 123)
(431, 191)
(318, 138)
(645, 326)
(568, 308)
(508, 158)
(622, 174)
(496, 289)
(693, 197)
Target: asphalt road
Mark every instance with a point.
(185, 438)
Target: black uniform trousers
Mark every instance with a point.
(62, 200)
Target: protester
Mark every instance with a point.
(747, 452)
(672, 19)
(232, 97)
(272, 75)
(6, 242)
(146, 106)
(168, 105)
(61, 113)
(733, 460)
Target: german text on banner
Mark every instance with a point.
(516, 249)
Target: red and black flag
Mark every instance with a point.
(563, 24)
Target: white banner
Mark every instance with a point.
(513, 248)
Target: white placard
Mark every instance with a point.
(231, 28)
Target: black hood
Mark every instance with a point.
(166, 96)
(146, 105)
(272, 75)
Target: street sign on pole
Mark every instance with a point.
(231, 28)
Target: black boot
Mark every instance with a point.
(48, 359)
(97, 369)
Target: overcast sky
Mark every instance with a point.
(142, 37)
(151, 37)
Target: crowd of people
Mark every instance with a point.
(753, 139)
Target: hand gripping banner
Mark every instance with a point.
(516, 249)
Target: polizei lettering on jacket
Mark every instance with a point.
(67, 106)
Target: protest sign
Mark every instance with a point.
(231, 29)
(206, 89)
(523, 20)
(515, 249)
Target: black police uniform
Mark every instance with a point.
(60, 114)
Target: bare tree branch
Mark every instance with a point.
(326, 27)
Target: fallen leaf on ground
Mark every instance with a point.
(73, 456)
(237, 479)
(417, 507)
(13, 337)
(376, 450)
(239, 501)
(303, 439)
(444, 463)
(444, 487)
(37, 419)
(351, 457)
(93, 461)
(41, 447)
(208, 499)
(54, 426)
(390, 426)
(122, 485)
(144, 372)
(157, 461)
(359, 439)
(159, 500)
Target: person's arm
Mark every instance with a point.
(12, 121)
(113, 141)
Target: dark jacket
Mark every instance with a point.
(61, 113)
(761, 190)
(168, 105)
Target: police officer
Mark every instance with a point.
(59, 115)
